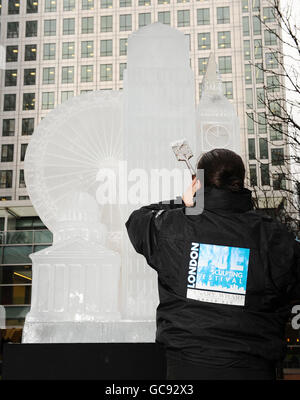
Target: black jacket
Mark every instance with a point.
(226, 277)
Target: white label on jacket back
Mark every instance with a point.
(217, 274)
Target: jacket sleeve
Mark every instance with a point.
(144, 226)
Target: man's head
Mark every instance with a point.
(223, 169)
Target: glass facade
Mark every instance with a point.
(29, 236)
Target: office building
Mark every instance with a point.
(57, 49)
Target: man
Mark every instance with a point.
(229, 322)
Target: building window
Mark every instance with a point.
(144, 2)
(8, 127)
(66, 95)
(106, 48)
(28, 101)
(27, 126)
(49, 51)
(223, 15)
(246, 27)
(32, 6)
(106, 3)
(265, 175)
(69, 26)
(123, 46)
(47, 100)
(248, 74)
(69, 5)
(121, 70)
(50, 5)
(245, 6)
(269, 14)
(106, 72)
(144, 19)
(183, 18)
(29, 76)
(255, 5)
(68, 50)
(271, 61)
(262, 122)
(202, 65)
(277, 156)
(30, 52)
(225, 66)
(125, 22)
(50, 27)
(12, 53)
(125, 3)
(256, 25)
(31, 28)
(251, 149)
(67, 75)
(48, 75)
(107, 23)
(259, 73)
(163, 2)
(270, 38)
(23, 151)
(11, 77)
(257, 48)
(273, 84)
(228, 89)
(263, 149)
(164, 17)
(21, 179)
(87, 25)
(188, 36)
(7, 153)
(260, 94)
(204, 41)
(87, 4)
(6, 179)
(12, 30)
(279, 181)
(249, 98)
(253, 175)
(9, 103)
(13, 7)
(224, 40)
(87, 49)
(250, 123)
(247, 53)
(276, 132)
(203, 16)
(86, 73)
(275, 108)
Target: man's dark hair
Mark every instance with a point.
(223, 169)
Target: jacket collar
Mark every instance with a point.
(225, 200)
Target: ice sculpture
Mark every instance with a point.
(217, 121)
(70, 291)
(159, 108)
(90, 285)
